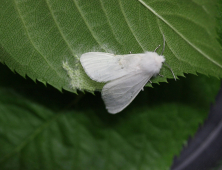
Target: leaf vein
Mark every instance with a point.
(109, 22)
(32, 41)
(58, 27)
(171, 26)
(129, 26)
(88, 26)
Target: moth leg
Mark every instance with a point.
(142, 89)
(150, 81)
(160, 75)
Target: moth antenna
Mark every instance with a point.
(171, 71)
(163, 44)
(156, 48)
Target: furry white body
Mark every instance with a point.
(126, 75)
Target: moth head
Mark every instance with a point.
(151, 63)
(159, 58)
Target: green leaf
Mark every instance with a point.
(41, 128)
(38, 37)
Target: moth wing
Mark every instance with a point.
(119, 93)
(104, 67)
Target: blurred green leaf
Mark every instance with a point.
(41, 128)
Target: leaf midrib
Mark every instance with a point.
(30, 137)
(171, 26)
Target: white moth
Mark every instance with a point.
(124, 75)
